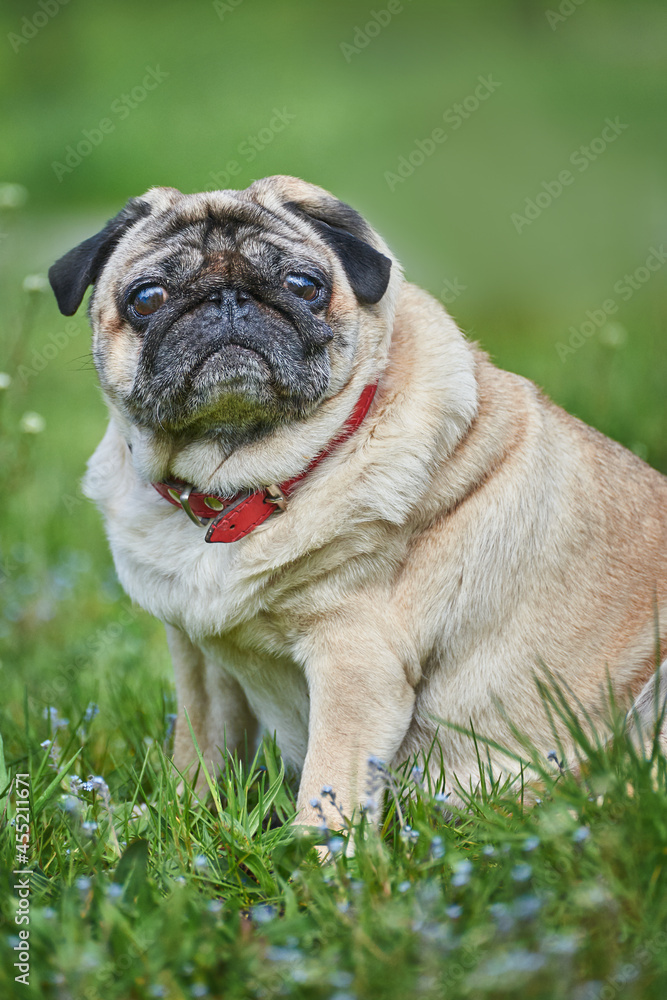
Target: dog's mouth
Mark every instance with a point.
(230, 384)
(228, 362)
(206, 379)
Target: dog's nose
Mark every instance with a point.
(233, 301)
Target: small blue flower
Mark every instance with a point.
(262, 913)
(502, 916)
(53, 715)
(276, 953)
(521, 873)
(560, 944)
(91, 711)
(581, 834)
(531, 843)
(437, 847)
(462, 873)
(341, 979)
(526, 907)
(454, 911)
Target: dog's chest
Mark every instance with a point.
(274, 684)
(233, 614)
(167, 567)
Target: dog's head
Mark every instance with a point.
(229, 308)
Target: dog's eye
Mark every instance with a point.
(148, 300)
(303, 286)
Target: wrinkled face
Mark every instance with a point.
(226, 308)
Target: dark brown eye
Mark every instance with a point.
(148, 300)
(303, 286)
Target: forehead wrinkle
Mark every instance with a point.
(166, 263)
(294, 254)
(202, 236)
(195, 209)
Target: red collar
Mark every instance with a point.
(227, 519)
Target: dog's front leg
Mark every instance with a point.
(361, 703)
(216, 708)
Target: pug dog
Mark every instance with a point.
(361, 536)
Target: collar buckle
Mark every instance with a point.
(275, 495)
(184, 500)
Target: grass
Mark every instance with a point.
(141, 890)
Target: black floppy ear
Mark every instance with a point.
(71, 275)
(346, 232)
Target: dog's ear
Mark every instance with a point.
(71, 275)
(347, 233)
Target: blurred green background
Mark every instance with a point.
(102, 100)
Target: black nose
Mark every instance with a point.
(233, 302)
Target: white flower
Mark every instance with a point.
(12, 195)
(613, 335)
(32, 423)
(5, 380)
(35, 283)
